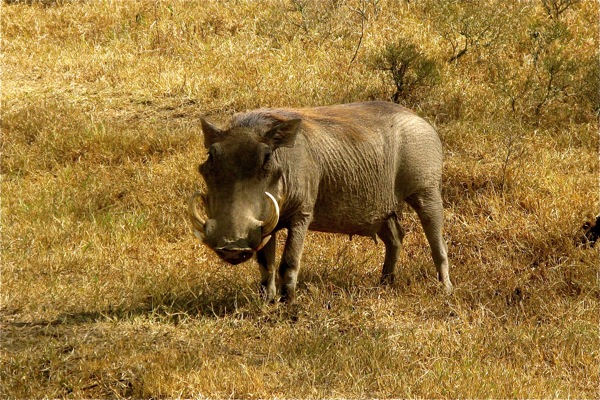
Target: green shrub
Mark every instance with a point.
(409, 69)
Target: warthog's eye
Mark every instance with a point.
(267, 155)
(207, 166)
(211, 155)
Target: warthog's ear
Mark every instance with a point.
(283, 134)
(212, 134)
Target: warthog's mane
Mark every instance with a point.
(264, 117)
(342, 122)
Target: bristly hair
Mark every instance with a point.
(266, 117)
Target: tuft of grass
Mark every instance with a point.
(105, 293)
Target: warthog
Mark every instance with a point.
(344, 169)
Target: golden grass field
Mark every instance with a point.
(105, 292)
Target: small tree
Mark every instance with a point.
(465, 25)
(554, 8)
(544, 84)
(408, 67)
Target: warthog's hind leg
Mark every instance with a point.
(431, 213)
(391, 234)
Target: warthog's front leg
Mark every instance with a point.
(268, 272)
(290, 260)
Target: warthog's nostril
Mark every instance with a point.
(235, 245)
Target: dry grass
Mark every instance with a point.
(105, 292)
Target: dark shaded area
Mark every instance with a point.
(589, 232)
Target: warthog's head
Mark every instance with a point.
(243, 180)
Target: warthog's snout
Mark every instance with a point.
(235, 252)
(250, 236)
(238, 250)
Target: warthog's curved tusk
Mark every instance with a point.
(197, 221)
(270, 224)
(263, 243)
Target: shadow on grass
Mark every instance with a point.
(229, 297)
(171, 306)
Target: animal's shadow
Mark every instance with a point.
(220, 296)
(175, 306)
